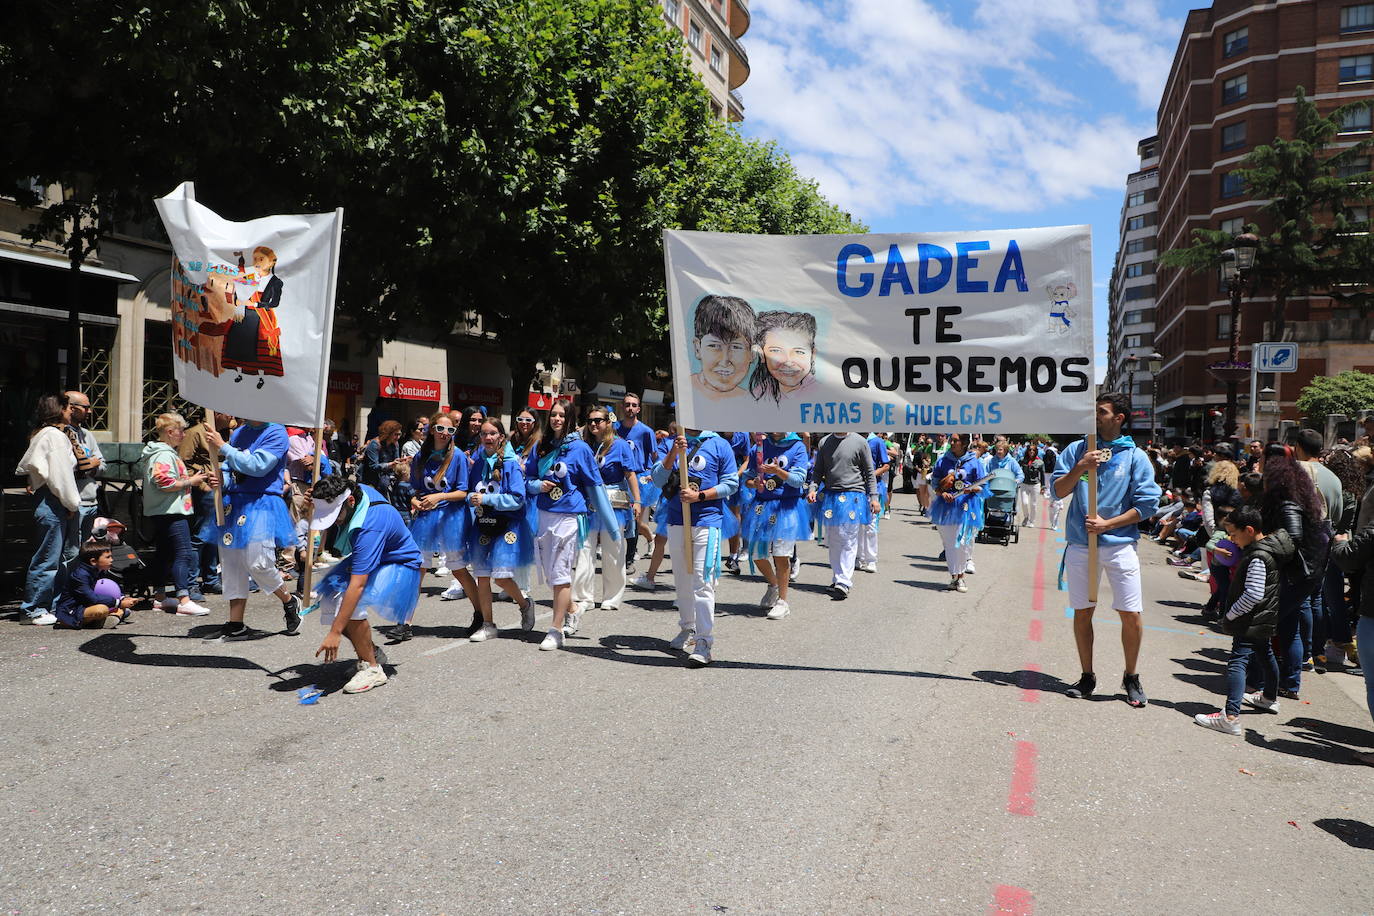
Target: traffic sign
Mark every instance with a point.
(1276, 357)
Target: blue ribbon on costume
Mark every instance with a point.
(710, 570)
(970, 520)
(1062, 317)
(600, 503)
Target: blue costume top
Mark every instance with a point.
(778, 511)
(1125, 482)
(254, 462)
(501, 535)
(376, 543)
(444, 528)
(642, 438)
(381, 540)
(578, 487)
(712, 465)
(966, 510)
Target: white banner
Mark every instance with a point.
(974, 331)
(252, 309)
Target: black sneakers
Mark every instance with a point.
(1084, 688)
(291, 610)
(732, 565)
(232, 632)
(1135, 694)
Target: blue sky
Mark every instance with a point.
(927, 115)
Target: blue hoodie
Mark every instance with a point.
(1126, 482)
(256, 454)
(714, 465)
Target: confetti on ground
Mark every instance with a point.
(1294, 824)
(1246, 772)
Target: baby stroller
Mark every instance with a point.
(999, 509)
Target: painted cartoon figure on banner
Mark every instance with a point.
(723, 332)
(1061, 314)
(202, 314)
(253, 345)
(786, 345)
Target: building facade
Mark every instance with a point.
(1231, 88)
(1131, 297)
(712, 29)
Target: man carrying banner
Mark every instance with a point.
(958, 507)
(844, 482)
(702, 488)
(1126, 493)
(257, 522)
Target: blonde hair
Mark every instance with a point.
(1225, 471)
(166, 421)
(1363, 454)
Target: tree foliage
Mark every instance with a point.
(1347, 393)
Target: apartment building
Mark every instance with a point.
(1231, 88)
(713, 29)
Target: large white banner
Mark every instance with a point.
(252, 309)
(937, 332)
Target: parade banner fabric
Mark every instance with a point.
(252, 309)
(937, 332)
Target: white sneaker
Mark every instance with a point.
(572, 622)
(969, 570)
(770, 597)
(443, 572)
(887, 514)
(779, 611)
(610, 607)
(527, 614)
(960, 585)
(1258, 700)
(792, 573)
(868, 567)
(483, 633)
(701, 655)
(682, 640)
(368, 677)
(453, 593)
(191, 609)
(42, 620)
(1218, 722)
(643, 583)
(554, 640)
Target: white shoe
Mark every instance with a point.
(701, 655)
(368, 677)
(483, 633)
(1258, 700)
(527, 614)
(572, 622)
(42, 620)
(868, 567)
(554, 640)
(643, 583)
(443, 572)
(191, 609)
(770, 597)
(453, 593)
(609, 607)
(960, 585)
(792, 573)
(682, 640)
(887, 514)
(969, 570)
(779, 611)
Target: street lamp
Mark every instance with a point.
(1156, 362)
(1236, 264)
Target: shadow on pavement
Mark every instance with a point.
(1330, 731)
(118, 647)
(1185, 605)
(1351, 833)
(928, 586)
(1313, 748)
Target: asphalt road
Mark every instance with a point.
(906, 751)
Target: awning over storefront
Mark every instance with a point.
(39, 260)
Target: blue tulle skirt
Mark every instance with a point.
(649, 494)
(729, 526)
(769, 520)
(844, 509)
(443, 529)
(260, 519)
(391, 593)
(510, 549)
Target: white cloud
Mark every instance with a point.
(895, 103)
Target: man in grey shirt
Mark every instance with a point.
(89, 465)
(843, 466)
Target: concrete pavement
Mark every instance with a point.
(906, 751)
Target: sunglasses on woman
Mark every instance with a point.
(445, 429)
(596, 420)
(524, 419)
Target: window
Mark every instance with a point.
(1357, 18)
(1140, 222)
(1354, 69)
(1139, 316)
(694, 35)
(1232, 185)
(715, 59)
(1355, 122)
(1235, 89)
(1135, 246)
(673, 10)
(1138, 292)
(1139, 269)
(1354, 167)
(1132, 341)
(1224, 326)
(1359, 214)
(1234, 43)
(1234, 226)
(1233, 136)
(1136, 199)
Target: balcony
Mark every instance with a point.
(739, 18)
(736, 106)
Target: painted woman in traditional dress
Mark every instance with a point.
(253, 345)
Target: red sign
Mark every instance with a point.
(346, 382)
(538, 401)
(477, 394)
(407, 389)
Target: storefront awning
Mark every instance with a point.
(59, 264)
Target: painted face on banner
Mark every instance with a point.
(788, 355)
(723, 363)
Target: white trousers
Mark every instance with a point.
(1056, 507)
(256, 560)
(843, 542)
(868, 541)
(1028, 495)
(612, 571)
(696, 598)
(957, 559)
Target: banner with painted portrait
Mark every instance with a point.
(933, 332)
(252, 309)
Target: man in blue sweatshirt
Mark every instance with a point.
(1126, 493)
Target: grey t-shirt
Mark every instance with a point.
(845, 465)
(1329, 486)
(88, 483)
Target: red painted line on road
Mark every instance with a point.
(1037, 629)
(1011, 901)
(1022, 797)
(1038, 583)
(1030, 680)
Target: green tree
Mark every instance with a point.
(1347, 393)
(1310, 239)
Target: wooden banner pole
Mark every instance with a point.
(218, 489)
(687, 545)
(309, 571)
(1092, 512)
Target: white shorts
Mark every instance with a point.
(782, 548)
(1122, 565)
(486, 572)
(329, 609)
(556, 547)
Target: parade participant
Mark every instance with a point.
(167, 488)
(469, 435)
(616, 460)
(701, 488)
(894, 461)
(645, 581)
(1050, 456)
(739, 447)
(922, 462)
(1032, 480)
(868, 537)
(257, 522)
(958, 508)
(523, 440)
(843, 481)
(778, 516)
(642, 438)
(500, 539)
(561, 475)
(1126, 493)
(379, 573)
(439, 515)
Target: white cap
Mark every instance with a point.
(325, 513)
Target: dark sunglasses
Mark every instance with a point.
(444, 429)
(596, 420)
